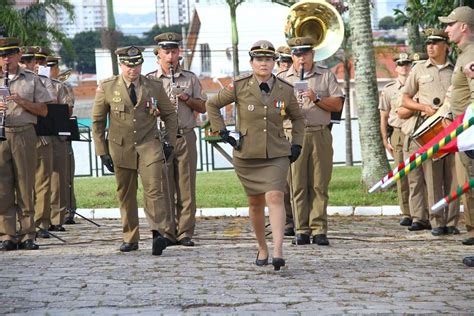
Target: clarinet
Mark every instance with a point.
(3, 112)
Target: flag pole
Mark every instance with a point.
(456, 194)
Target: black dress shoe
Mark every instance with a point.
(469, 261)
(28, 244)
(69, 221)
(261, 262)
(468, 241)
(301, 239)
(438, 231)
(417, 226)
(289, 231)
(406, 221)
(129, 246)
(186, 241)
(452, 230)
(42, 234)
(56, 228)
(8, 245)
(169, 242)
(158, 245)
(278, 263)
(321, 240)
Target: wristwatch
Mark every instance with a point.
(317, 99)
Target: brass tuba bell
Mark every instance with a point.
(318, 20)
(64, 75)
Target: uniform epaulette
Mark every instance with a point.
(185, 70)
(56, 80)
(322, 66)
(284, 81)
(391, 83)
(278, 73)
(39, 75)
(151, 73)
(29, 71)
(109, 79)
(244, 76)
(153, 78)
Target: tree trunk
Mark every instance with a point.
(112, 36)
(347, 116)
(414, 37)
(235, 39)
(374, 159)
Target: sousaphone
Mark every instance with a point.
(319, 20)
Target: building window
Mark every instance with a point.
(205, 58)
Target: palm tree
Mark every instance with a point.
(29, 24)
(109, 36)
(374, 159)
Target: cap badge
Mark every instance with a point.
(416, 57)
(403, 56)
(298, 41)
(264, 46)
(132, 51)
(170, 36)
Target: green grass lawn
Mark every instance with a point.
(223, 189)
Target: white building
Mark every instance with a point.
(90, 15)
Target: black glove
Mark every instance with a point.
(295, 153)
(470, 153)
(224, 134)
(167, 150)
(107, 162)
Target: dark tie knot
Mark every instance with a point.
(265, 87)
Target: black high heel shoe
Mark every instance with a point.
(261, 262)
(278, 263)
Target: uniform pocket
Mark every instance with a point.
(118, 110)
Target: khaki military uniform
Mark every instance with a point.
(461, 96)
(260, 118)
(135, 148)
(181, 167)
(18, 159)
(312, 171)
(44, 169)
(59, 179)
(428, 82)
(389, 102)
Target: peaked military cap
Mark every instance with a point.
(168, 40)
(301, 44)
(9, 46)
(418, 57)
(52, 61)
(463, 14)
(42, 52)
(28, 51)
(130, 55)
(283, 52)
(262, 48)
(435, 35)
(402, 58)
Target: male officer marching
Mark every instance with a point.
(314, 167)
(18, 152)
(132, 103)
(182, 164)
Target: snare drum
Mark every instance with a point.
(433, 125)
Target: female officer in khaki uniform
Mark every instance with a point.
(261, 154)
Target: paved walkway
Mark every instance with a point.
(372, 266)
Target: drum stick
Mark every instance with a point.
(429, 152)
(456, 194)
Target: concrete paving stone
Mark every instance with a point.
(367, 211)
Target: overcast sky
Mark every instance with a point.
(134, 7)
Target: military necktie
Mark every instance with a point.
(133, 94)
(264, 87)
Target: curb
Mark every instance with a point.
(385, 210)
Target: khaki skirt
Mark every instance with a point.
(262, 175)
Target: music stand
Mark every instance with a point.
(56, 123)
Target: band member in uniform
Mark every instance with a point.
(133, 148)
(260, 155)
(26, 101)
(284, 62)
(390, 128)
(185, 91)
(430, 81)
(311, 173)
(460, 29)
(59, 178)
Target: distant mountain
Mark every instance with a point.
(135, 24)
